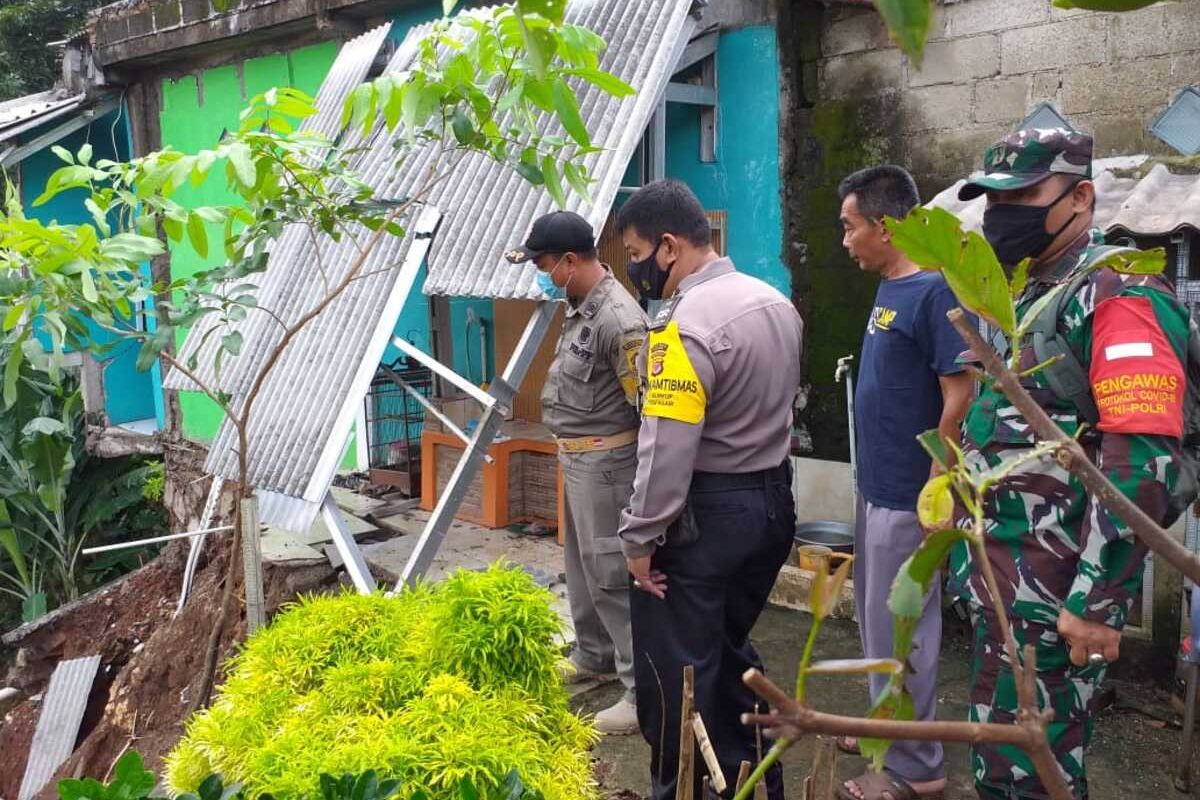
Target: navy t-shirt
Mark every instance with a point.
(908, 344)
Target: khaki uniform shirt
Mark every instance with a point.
(722, 366)
(592, 386)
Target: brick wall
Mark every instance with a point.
(852, 100)
(990, 61)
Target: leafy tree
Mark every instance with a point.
(27, 63)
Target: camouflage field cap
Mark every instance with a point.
(1030, 156)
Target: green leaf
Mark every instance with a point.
(232, 342)
(197, 235)
(63, 153)
(577, 181)
(857, 666)
(930, 237)
(15, 312)
(895, 703)
(467, 790)
(173, 228)
(12, 372)
(464, 129)
(908, 22)
(567, 108)
(210, 787)
(85, 154)
(529, 173)
(552, 10)
(1135, 262)
(935, 445)
(448, 6)
(604, 80)
(553, 181)
(933, 239)
(912, 583)
(88, 285)
(130, 779)
(982, 268)
(243, 165)
(935, 504)
(33, 607)
(1020, 278)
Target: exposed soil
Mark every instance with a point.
(150, 663)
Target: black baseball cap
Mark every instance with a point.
(556, 232)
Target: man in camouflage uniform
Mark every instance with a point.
(1067, 569)
(589, 403)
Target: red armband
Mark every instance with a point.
(1137, 380)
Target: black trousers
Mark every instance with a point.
(721, 560)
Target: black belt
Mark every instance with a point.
(717, 481)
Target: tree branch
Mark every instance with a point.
(1072, 456)
(795, 720)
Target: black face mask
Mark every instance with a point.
(1017, 232)
(648, 277)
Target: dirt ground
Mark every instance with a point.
(1134, 755)
(151, 663)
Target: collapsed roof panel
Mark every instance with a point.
(293, 250)
(488, 207)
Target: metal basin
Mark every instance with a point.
(837, 536)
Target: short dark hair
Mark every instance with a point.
(882, 191)
(586, 255)
(662, 207)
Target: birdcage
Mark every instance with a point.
(395, 419)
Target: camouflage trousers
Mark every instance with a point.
(1004, 771)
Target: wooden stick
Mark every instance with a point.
(823, 774)
(710, 756)
(1072, 456)
(687, 749)
(743, 774)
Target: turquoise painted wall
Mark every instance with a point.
(744, 180)
(128, 394)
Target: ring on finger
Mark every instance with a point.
(1097, 660)
(637, 584)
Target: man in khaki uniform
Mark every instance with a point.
(589, 403)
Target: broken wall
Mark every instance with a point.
(854, 100)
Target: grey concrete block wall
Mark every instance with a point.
(990, 61)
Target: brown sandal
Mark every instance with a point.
(848, 745)
(875, 784)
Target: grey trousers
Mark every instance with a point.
(883, 539)
(596, 487)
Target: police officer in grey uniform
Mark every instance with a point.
(589, 403)
(711, 520)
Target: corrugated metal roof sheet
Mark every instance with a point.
(1156, 204)
(303, 415)
(23, 113)
(488, 208)
(348, 71)
(58, 726)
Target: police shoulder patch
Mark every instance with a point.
(665, 311)
(673, 389)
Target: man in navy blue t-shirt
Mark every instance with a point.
(908, 383)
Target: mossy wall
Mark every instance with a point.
(827, 139)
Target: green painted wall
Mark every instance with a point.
(196, 111)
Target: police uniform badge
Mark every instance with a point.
(585, 334)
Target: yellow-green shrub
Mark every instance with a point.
(440, 683)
